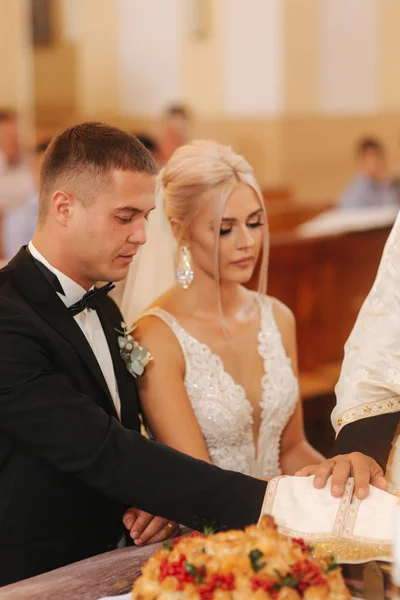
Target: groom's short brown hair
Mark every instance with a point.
(81, 158)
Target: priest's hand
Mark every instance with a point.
(364, 469)
(145, 528)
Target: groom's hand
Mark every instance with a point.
(145, 528)
(364, 469)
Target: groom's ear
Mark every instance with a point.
(61, 206)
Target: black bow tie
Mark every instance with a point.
(87, 301)
(90, 298)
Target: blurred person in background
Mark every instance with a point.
(150, 143)
(16, 181)
(176, 130)
(19, 224)
(370, 187)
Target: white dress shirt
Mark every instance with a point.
(90, 325)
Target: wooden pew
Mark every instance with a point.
(287, 216)
(324, 281)
(277, 193)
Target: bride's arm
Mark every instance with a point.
(166, 406)
(296, 452)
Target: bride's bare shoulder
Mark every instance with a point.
(153, 330)
(285, 321)
(283, 315)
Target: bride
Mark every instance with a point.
(222, 385)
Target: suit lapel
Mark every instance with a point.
(44, 300)
(126, 382)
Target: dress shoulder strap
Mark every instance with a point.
(165, 316)
(173, 323)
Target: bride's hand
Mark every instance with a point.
(364, 469)
(145, 528)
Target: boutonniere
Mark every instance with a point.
(134, 356)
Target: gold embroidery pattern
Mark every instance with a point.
(352, 517)
(270, 497)
(353, 550)
(343, 509)
(373, 409)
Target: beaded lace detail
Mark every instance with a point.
(221, 407)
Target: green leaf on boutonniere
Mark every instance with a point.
(134, 356)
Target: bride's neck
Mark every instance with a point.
(204, 297)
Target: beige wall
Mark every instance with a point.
(16, 89)
(312, 154)
(97, 64)
(319, 156)
(202, 64)
(306, 140)
(55, 82)
(390, 56)
(301, 55)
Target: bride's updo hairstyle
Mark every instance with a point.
(204, 170)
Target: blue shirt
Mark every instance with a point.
(19, 225)
(363, 192)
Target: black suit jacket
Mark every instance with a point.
(68, 467)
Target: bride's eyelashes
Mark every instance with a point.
(253, 225)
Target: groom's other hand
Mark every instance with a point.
(364, 469)
(145, 528)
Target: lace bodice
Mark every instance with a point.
(221, 407)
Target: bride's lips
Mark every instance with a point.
(244, 262)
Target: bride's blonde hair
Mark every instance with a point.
(198, 169)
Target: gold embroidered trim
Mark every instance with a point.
(363, 411)
(269, 497)
(344, 507)
(309, 537)
(352, 517)
(354, 550)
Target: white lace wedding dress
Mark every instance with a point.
(221, 407)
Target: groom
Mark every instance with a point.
(71, 456)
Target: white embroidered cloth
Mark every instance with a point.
(354, 530)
